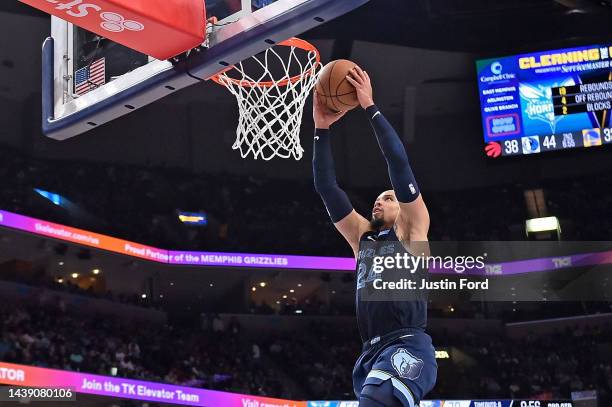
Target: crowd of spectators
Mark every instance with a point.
(140, 204)
(314, 305)
(549, 366)
(313, 362)
(245, 213)
(40, 279)
(326, 372)
(210, 357)
(586, 204)
(552, 365)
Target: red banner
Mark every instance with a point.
(160, 28)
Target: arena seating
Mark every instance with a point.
(222, 355)
(140, 204)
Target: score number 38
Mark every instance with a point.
(511, 147)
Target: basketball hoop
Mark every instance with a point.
(271, 97)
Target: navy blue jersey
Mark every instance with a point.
(378, 318)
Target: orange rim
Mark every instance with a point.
(291, 42)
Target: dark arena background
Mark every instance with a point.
(144, 262)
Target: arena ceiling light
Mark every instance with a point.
(584, 6)
(442, 354)
(548, 224)
(53, 197)
(547, 228)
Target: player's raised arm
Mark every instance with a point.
(412, 223)
(348, 222)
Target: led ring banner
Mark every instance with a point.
(20, 375)
(250, 260)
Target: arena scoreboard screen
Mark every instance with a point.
(546, 101)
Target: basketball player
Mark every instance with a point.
(397, 367)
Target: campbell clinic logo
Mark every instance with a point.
(497, 70)
(111, 21)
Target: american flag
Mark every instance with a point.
(90, 77)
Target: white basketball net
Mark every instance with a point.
(271, 107)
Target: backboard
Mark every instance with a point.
(88, 80)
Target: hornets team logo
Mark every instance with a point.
(539, 104)
(406, 364)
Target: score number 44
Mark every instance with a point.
(550, 143)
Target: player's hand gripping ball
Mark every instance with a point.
(334, 89)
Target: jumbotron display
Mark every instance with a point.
(546, 101)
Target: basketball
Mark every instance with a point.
(337, 93)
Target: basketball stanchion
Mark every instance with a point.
(271, 89)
